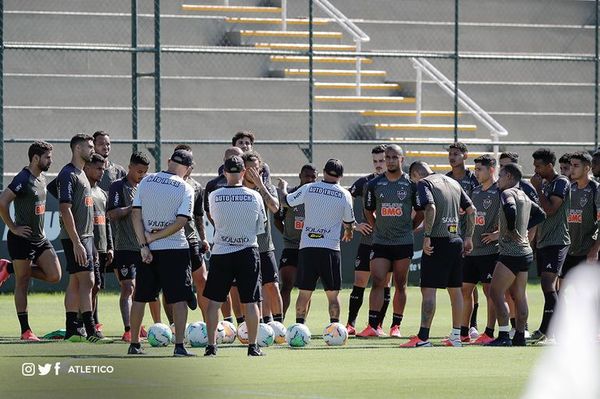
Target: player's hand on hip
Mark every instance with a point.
(488, 238)
(427, 248)
(364, 228)
(22, 231)
(146, 255)
(80, 254)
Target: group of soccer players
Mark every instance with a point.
(148, 229)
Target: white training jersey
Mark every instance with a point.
(162, 197)
(326, 206)
(239, 216)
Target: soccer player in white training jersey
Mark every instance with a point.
(326, 206)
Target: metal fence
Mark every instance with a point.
(158, 73)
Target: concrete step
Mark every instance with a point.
(294, 59)
(250, 38)
(305, 46)
(336, 75)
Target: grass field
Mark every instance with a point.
(363, 368)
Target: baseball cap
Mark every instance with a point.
(183, 157)
(235, 164)
(334, 167)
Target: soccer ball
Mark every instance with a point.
(335, 334)
(265, 335)
(173, 331)
(159, 335)
(279, 331)
(297, 335)
(219, 333)
(197, 335)
(242, 333)
(229, 333)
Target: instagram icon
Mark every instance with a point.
(28, 369)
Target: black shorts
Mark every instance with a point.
(243, 267)
(126, 264)
(516, 264)
(391, 252)
(570, 262)
(443, 269)
(169, 271)
(319, 262)
(268, 267)
(196, 257)
(20, 248)
(99, 270)
(363, 258)
(289, 257)
(550, 259)
(72, 265)
(479, 268)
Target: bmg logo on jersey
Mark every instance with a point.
(29, 369)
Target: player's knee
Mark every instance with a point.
(22, 280)
(126, 288)
(378, 281)
(53, 277)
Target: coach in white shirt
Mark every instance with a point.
(326, 206)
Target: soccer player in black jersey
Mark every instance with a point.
(27, 242)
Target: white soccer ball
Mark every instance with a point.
(197, 335)
(265, 335)
(242, 333)
(159, 335)
(279, 331)
(229, 333)
(297, 335)
(173, 331)
(220, 333)
(335, 334)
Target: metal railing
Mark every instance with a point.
(422, 65)
(358, 35)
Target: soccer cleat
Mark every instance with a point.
(519, 342)
(416, 342)
(351, 330)
(143, 332)
(126, 336)
(255, 351)
(4, 275)
(210, 351)
(395, 332)
(192, 302)
(483, 339)
(527, 335)
(99, 334)
(455, 342)
(380, 331)
(368, 332)
(537, 335)
(75, 338)
(99, 326)
(182, 352)
(135, 351)
(96, 339)
(500, 342)
(29, 336)
(473, 333)
(545, 341)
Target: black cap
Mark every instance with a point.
(183, 157)
(334, 167)
(235, 164)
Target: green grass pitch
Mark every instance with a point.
(363, 368)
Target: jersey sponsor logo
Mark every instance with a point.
(325, 191)
(116, 202)
(575, 216)
(163, 180)
(235, 240)
(453, 228)
(315, 236)
(99, 219)
(480, 219)
(298, 223)
(40, 208)
(402, 194)
(19, 187)
(88, 201)
(487, 203)
(389, 209)
(234, 198)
